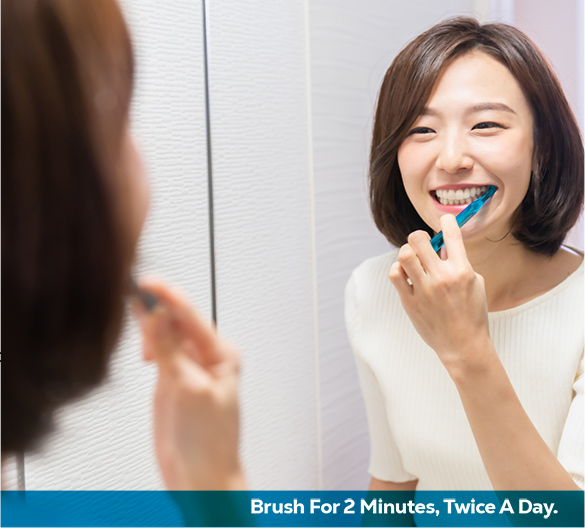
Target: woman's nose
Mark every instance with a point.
(453, 155)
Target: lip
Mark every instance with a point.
(451, 209)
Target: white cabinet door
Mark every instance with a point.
(263, 230)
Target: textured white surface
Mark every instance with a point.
(105, 441)
(544, 23)
(9, 473)
(259, 128)
(352, 44)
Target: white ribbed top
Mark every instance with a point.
(418, 428)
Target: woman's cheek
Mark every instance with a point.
(415, 163)
(138, 187)
(509, 160)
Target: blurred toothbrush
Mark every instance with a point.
(149, 300)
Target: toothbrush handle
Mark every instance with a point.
(437, 241)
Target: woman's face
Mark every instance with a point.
(476, 130)
(137, 190)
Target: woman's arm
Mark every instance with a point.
(446, 304)
(384, 485)
(513, 452)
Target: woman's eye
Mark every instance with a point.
(421, 130)
(487, 124)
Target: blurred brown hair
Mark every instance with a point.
(67, 73)
(555, 196)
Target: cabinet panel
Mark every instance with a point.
(263, 230)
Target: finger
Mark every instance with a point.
(190, 323)
(161, 338)
(399, 280)
(420, 242)
(453, 240)
(185, 322)
(408, 259)
(184, 373)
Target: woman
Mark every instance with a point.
(471, 361)
(74, 200)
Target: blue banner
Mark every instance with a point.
(292, 508)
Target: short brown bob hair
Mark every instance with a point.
(555, 195)
(67, 75)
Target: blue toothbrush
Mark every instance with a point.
(464, 216)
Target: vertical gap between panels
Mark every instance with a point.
(209, 168)
(315, 283)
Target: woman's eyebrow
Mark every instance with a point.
(480, 107)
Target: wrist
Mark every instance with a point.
(232, 481)
(473, 361)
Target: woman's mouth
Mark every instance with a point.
(462, 196)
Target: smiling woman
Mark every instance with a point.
(548, 210)
(476, 131)
(471, 361)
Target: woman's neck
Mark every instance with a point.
(514, 275)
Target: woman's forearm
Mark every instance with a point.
(513, 452)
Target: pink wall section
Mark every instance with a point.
(557, 28)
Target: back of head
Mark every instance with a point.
(67, 72)
(554, 199)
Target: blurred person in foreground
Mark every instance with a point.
(75, 196)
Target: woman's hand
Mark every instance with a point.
(447, 305)
(446, 301)
(196, 413)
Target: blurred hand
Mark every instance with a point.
(196, 412)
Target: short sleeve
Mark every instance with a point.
(385, 459)
(571, 446)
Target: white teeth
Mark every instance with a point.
(459, 196)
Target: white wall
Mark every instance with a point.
(264, 256)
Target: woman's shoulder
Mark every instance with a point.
(373, 269)
(563, 291)
(370, 302)
(369, 284)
